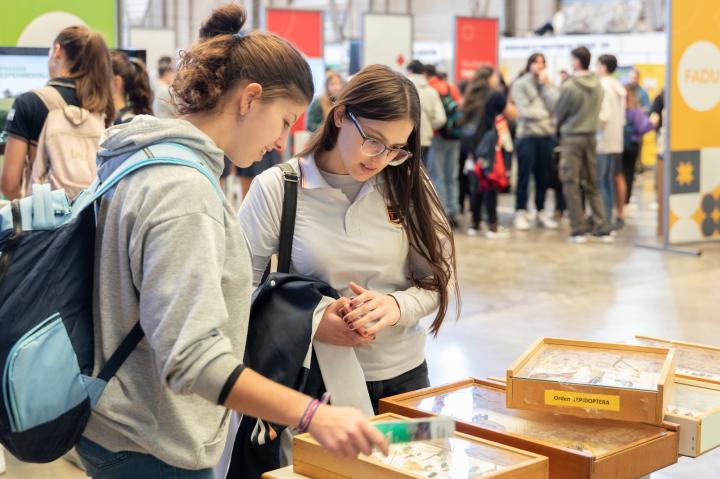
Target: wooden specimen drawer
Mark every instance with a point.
(593, 380)
(578, 448)
(458, 457)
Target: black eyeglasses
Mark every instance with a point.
(374, 147)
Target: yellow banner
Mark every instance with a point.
(602, 402)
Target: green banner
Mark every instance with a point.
(31, 22)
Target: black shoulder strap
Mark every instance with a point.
(287, 222)
(122, 352)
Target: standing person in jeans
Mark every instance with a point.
(535, 97)
(433, 114)
(445, 147)
(171, 255)
(578, 114)
(610, 135)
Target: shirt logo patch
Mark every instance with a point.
(11, 114)
(394, 216)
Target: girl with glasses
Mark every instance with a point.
(371, 226)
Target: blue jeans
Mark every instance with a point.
(606, 182)
(444, 171)
(535, 157)
(103, 464)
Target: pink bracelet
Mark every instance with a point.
(310, 411)
(303, 424)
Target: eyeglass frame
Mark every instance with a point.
(365, 138)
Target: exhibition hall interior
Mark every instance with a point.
(314, 239)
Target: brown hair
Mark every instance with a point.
(378, 93)
(88, 61)
(477, 94)
(633, 99)
(225, 58)
(136, 82)
(326, 101)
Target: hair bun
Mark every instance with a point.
(226, 20)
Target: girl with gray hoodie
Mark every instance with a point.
(171, 255)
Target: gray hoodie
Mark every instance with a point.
(535, 103)
(578, 108)
(171, 254)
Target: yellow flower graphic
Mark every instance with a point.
(685, 173)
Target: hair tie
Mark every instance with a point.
(239, 35)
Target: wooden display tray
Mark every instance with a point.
(612, 396)
(695, 406)
(700, 362)
(613, 449)
(310, 460)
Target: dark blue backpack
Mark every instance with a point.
(46, 316)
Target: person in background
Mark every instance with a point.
(484, 103)
(321, 106)
(80, 70)
(535, 97)
(610, 137)
(163, 105)
(564, 76)
(131, 91)
(578, 114)
(642, 94)
(637, 125)
(433, 112)
(658, 118)
(445, 147)
(176, 261)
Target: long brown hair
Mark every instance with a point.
(88, 60)
(478, 93)
(225, 58)
(136, 82)
(633, 99)
(378, 93)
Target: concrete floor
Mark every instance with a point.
(537, 284)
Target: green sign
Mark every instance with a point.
(31, 21)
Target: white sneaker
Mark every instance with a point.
(546, 221)
(500, 234)
(578, 239)
(2, 461)
(473, 232)
(520, 222)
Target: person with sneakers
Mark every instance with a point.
(433, 113)
(636, 126)
(445, 148)
(611, 136)
(484, 103)
(578, 115)
(535, 97)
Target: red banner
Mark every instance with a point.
(476, 45)
(303, 28)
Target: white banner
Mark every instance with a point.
(387, 40)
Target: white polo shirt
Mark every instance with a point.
(338, 241)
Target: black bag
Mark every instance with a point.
(279, 334)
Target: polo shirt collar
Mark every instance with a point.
(311, 178)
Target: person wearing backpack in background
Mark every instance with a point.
(535, 97)
(78, 103)
(172, 257)
(131, 90)
(433, 112)
(444, 166)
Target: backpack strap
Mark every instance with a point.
(287, 222)
(52, 98)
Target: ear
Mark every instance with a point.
(117, 83)
(249, 97)
(339, 116)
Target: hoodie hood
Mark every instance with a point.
(121, 141)
(419, 80)
(587, 81)
(611, 85)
